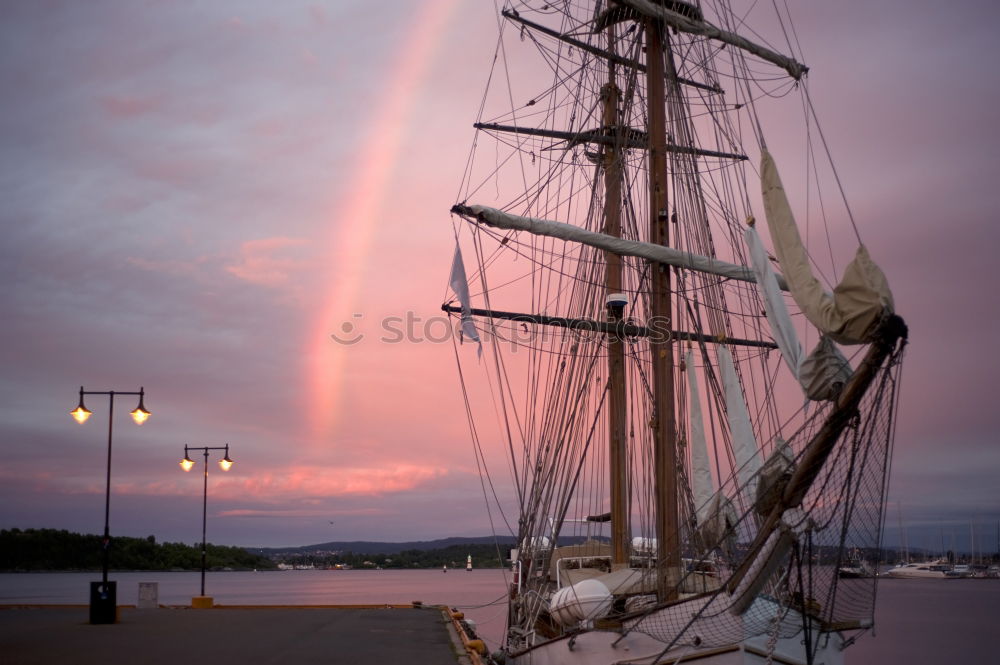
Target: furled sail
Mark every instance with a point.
(825, 370)
(698, 26)
(620, 246)
(717, 528)
(774, 476)
(861, 301)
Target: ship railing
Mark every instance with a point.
(581, 559)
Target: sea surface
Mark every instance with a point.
(918, 622)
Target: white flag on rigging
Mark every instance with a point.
(460, 285)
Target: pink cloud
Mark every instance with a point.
(258, 265)
(325, 512)
(125, 203)
(318, 14)
(170, 170)
(327, 482)
(273, 127)
(128, 107)
(304, 484)
(307, 57)
(168, 267)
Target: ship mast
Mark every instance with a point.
(663, 88)
(617, 414)
(668, 555)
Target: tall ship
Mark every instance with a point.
(688, 363)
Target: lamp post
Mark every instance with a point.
(102, 600)
(187, 464)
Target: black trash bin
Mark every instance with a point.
(103, 596)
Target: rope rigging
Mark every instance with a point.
(549, 390)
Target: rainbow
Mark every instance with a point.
(356, 215)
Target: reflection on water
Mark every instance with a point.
(919, 622)
(929, 622)
(293, 587)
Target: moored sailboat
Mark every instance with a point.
(856, 566)
(642, 348)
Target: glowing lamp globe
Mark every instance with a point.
(140, 414)
(80, 414)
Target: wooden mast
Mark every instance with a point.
(668, 555)
(617, 408)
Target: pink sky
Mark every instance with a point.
(196, 198)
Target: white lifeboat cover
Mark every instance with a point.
(586, 599)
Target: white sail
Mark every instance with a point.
(775, 310)
(825, 369)
(460, 285)
(702, 486)
(740, 427)
(860, 302)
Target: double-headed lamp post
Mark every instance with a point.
(187, 464)
(81, 413)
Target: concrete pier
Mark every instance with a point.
(327, 635)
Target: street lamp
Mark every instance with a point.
(187, 464)
(102, 601)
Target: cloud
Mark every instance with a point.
(331, 481)
(128, 107)
(318, 14)
(170, 200)
(324, 512)
(173, 267)
(259, 265)
(294, 484)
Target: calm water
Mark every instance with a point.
(919, 622)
